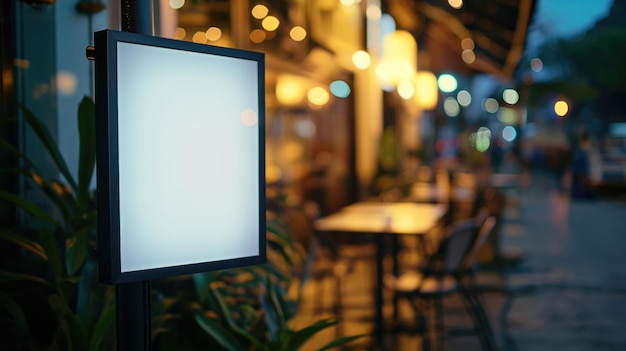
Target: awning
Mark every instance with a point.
(497, 29)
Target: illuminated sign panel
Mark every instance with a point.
(180, 141)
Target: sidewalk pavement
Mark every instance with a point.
(563, 287)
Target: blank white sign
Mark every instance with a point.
(188, 157)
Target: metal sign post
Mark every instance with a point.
(133, 299)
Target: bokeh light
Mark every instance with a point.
(259, 11)
(447, 83)
(467, 44)
(176, 4)
(491, 105)
(270, 23)
(536, 65)
(468, 56)
(406, 89)
(340, 89)
(297, 33)
(561, 108)
(455, 4)
(510, 96)
(509, 133)
(180, 33)
(318, 96)
(199, 37)
(464, 98)
(258, 36)
(361, 59)
(451, 107)
(213, 34)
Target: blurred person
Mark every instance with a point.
(581, 185)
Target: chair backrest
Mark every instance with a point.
(485, 230)
(455, 246)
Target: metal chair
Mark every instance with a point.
(448, 271)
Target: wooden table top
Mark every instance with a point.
(384, 218)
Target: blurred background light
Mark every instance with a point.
(213, 34)
(361, 59)
(464, 98)
(258, 36)
(406, 89)
(259, 11)
(536, 65)
(509, 133)
(510, 96)
(373, 12)
(447, 83)
(297, 33)
(455, 4)
(491, 105)
(340, 89)
(426, 90)
(318, 96)
(561, 108)
(451, 107)
(270, 23)
(176, 4)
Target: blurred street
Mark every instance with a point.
(563, 286)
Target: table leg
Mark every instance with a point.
(378, 327)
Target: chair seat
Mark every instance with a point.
(412, 282)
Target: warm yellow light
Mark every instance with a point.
(318, 96)
(290, 90)
(213, 34)
(561, 108)
(426, 93)
(270, 23)
(406, 90)
(456, 4)
(180, 33)
(199, 37)
(259, 11)
(468, 56)
(297, 33)
(347, 2)
(361, 59)
(399, 61)
(257, 36)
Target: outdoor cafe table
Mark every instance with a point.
(381, 219)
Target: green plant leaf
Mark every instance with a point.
(11, 277)
(103, 327)
(77, 249)
(227, 314)
(15, 311)
(220, 334)
(202, 283)
(87, 152)
(50, 144)
(29, 207)
(72, 331)
(25, 243)
(341, 341)
(303, 335)
(88, 302)
(49, 244)
(50, 188)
